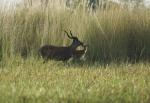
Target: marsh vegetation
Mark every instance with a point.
(117, 36)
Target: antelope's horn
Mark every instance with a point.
(68, 35)
(71, 34)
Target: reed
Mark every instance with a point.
(112, 34)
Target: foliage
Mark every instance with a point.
(112, 34)
(115, 34)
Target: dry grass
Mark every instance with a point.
(114, 34)
(32, 81)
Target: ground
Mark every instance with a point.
(31, 81)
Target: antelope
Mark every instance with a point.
(63, 53)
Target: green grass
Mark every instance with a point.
(31, 81)
(112, 35)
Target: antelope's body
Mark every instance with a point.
(57, 53)
(62, 53)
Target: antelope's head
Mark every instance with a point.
(76, 42)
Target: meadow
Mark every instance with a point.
(115, 69)
(31, 81)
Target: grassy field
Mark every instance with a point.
(31, 81)
(116, 37)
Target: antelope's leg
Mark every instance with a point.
(45, 60)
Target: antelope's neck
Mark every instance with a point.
(73, 47)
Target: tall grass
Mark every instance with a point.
(112, 34)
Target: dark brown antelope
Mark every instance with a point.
(63, 53)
